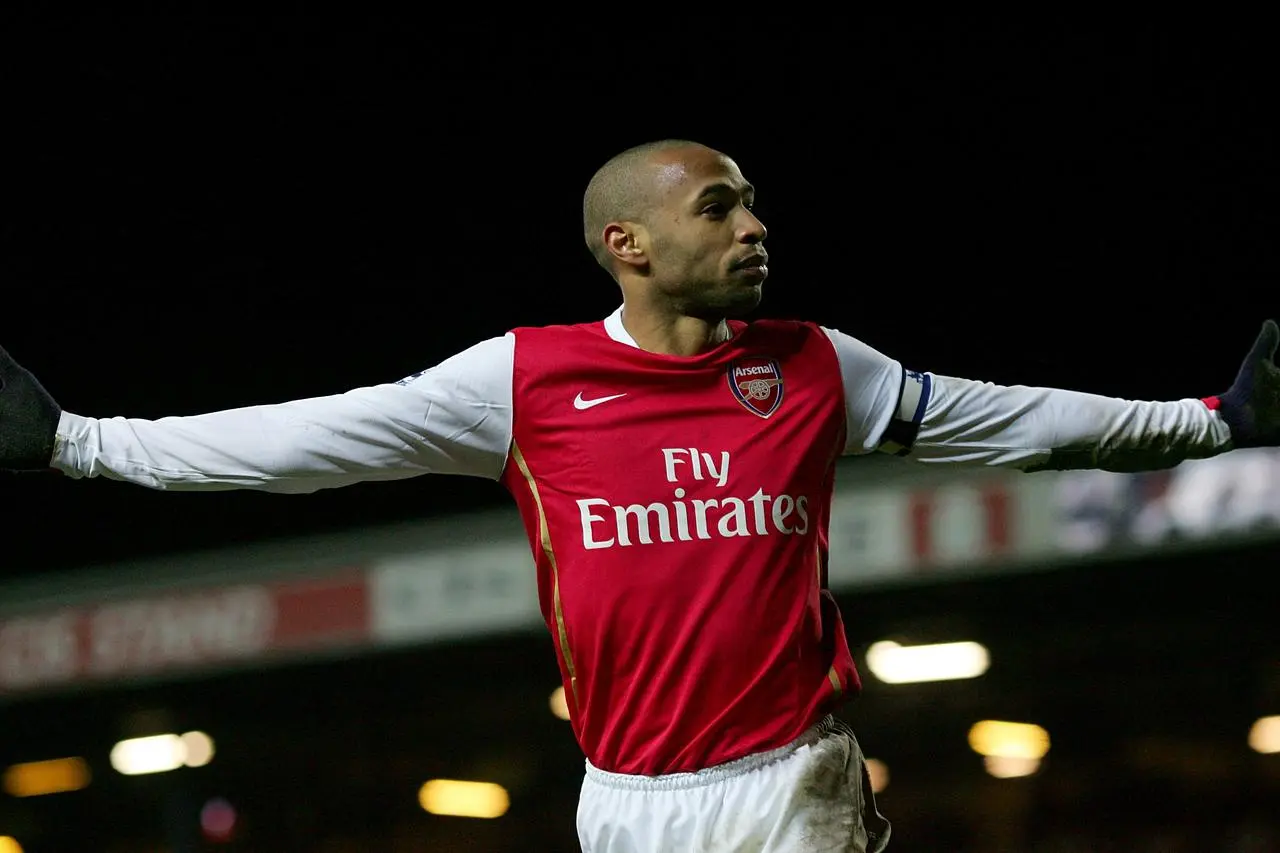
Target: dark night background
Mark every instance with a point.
(209, 212)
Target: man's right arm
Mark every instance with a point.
(454, 418)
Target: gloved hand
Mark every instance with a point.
(28, 419)
(1251, 408)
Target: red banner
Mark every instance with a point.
(192, 629)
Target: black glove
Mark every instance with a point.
(1251, 407)
(28, 419)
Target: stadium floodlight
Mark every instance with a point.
(54, 776)
(1264, 735)
(199, 749)
(1009, 750)
(1003, 767)
(1009, 740)
(559, 703)
(154, 754)
(896, 664)
(878, 772)
(161, 753)
(458, 798)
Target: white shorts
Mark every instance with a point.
(811, 796)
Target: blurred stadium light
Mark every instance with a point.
(1009, 750)
(161, 753)
(879, 773)
(38, 778)
(1264, 735)
(896, 664)
(199, 749)
(1010, 767)
(559, 706)
(9, 844)
(218, 820)
(1009, 740)
(457, 798)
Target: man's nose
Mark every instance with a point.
(752, 229)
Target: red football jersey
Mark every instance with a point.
(677, 509)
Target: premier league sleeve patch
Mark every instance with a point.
(756, 383)
(913, 400)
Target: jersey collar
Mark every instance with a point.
(613, 326)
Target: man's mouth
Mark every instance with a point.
(753, 261)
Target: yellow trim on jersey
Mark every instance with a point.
(832, 675)
(544, 534)
(817, 559)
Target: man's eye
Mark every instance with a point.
(714, 210)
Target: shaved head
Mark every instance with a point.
(672, 223)
(624, 189)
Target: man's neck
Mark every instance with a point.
(673, 335)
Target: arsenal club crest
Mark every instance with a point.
(757, 384)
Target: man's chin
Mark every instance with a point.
(746, 296)
(744, 300)
(729, 300)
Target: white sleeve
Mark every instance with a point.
(932, 418)
(873, 389)
(454, 418)
(1034, 429)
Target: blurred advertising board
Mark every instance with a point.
(127, 638)
(1219, 499)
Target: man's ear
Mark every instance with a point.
(626, 241)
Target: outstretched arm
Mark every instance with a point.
(932, 418)
(1035, 429)
(452, 419)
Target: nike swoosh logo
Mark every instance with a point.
(582, 405)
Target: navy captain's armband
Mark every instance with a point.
(913, 399)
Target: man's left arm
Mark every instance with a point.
(934, 418)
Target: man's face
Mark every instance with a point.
(706, 251)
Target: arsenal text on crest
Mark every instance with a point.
(756, 382)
